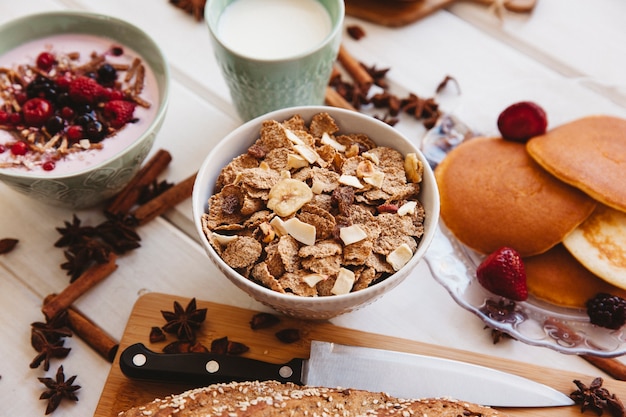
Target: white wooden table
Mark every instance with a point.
(568, 55)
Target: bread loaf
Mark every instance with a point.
(239, 399)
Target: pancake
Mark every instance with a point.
(557, 277)
(599, 243)
(590, 154)
(493, 194)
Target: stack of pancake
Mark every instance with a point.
(559, 200)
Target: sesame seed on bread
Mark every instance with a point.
(271, 398)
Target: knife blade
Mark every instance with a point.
(333, 365)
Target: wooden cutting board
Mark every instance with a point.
(121, 393)
(396, 13)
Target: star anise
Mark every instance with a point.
(498, 335)
(184, 322)
(193, 7)
(58, 389)
(592, 397)
(7, 245)
(83, 255)
(117, 233)
(73, 233)
(378, 75)
(55, 328)
(46, 349)
(500, 310)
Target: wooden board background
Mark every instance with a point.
(393, 13)
(121, 393)
(396, 13)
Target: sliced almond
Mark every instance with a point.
(307, 153)
(400, 256)
(287, 196)
(264, 166)
(345, 281)
(413, 168)
(350, 180)
(407, 208)
(301, 231)
(352, 234)
(313, 279)
(296, 161)
(327, 140)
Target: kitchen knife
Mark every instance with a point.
(333, 365)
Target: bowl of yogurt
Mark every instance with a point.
(82, 98)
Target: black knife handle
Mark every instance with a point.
(139, 362)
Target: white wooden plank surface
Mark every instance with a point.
(538, 57)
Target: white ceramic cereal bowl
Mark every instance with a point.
(89, 186)
(313, 308)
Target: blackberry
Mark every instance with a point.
(606, 310)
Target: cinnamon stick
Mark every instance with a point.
(164, 201)
(90, 332)
(334, 99)
(611, 366)
(81, 285)
(127, 198)
(353, 67)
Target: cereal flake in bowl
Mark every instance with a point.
(315, 211)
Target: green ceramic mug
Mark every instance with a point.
(274, 77)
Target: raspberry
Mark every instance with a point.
(85, 90)
(606, 310)
(36, 111)
(503, 273)
(45, 61)
(521, 121)
(118, 112)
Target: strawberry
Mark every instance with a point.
(36, 111)
(503, 273)
(521, 121)
(118, 112)
(85, 90)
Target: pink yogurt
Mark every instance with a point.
(111, 145)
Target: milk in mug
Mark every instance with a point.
(273, 29)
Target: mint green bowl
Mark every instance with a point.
(93, 185)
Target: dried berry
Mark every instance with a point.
(606, 310)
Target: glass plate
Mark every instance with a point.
(533, 321)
